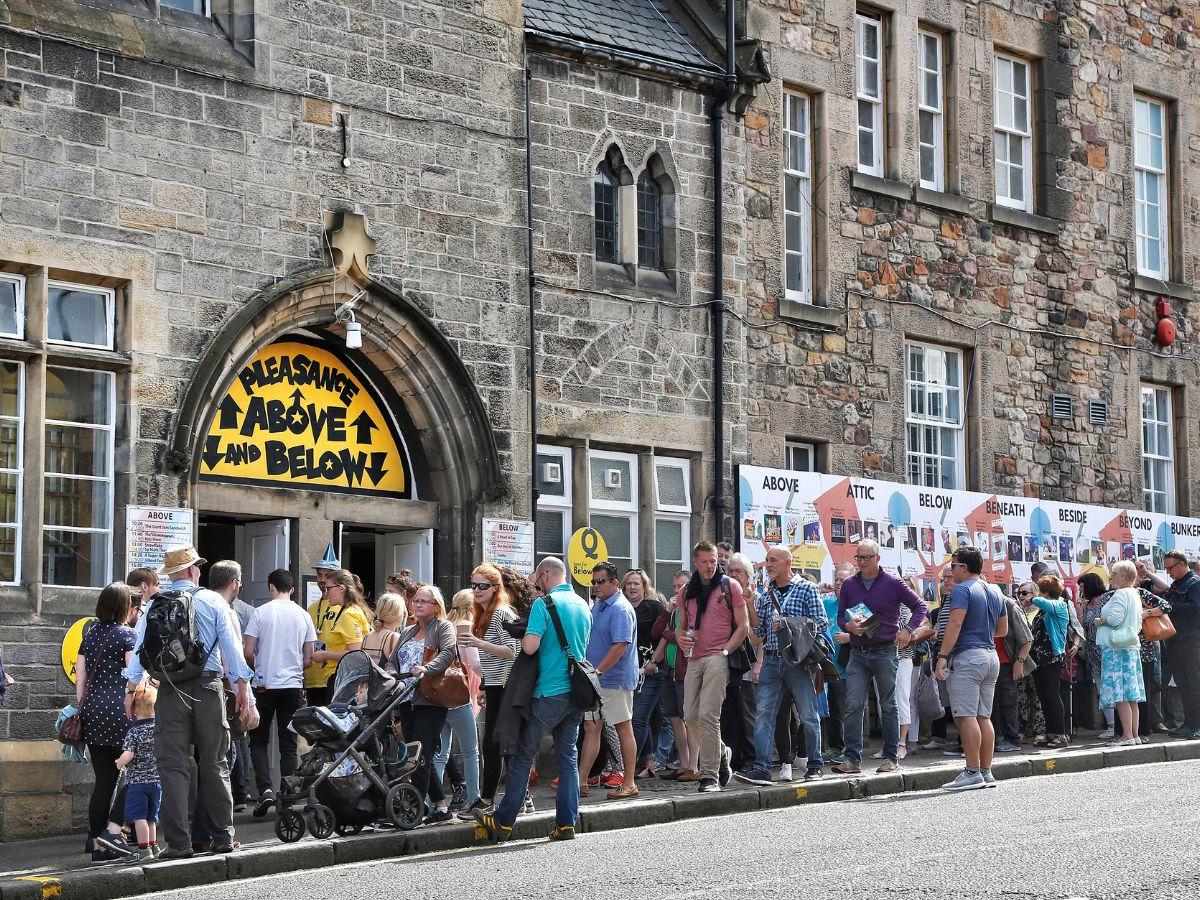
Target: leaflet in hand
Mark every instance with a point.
(861, 611)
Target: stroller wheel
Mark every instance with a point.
(321, 822)
(405, 806)
(347, 830)
(289, 826)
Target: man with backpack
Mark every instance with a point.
(185, 640)
(714, 625)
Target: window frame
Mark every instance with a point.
(1167, 491)
(648, 186)
(19, 471)
(804, 196)
(109, 479)
(563, 505)
(612, 181)
(675, 513)
(873, 20)
(110, 314)
(618, 509)
(1144, 169)
(912, 419)
(938, 148)
(1008, 131)
(18, 282)
(790, 447)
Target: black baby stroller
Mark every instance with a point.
(357, 770)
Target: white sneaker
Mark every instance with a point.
(989, 780)
(966, 781)
(785, 773)
(1107, 734)
(934, 744)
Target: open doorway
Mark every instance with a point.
(261, 546)
(375, 553)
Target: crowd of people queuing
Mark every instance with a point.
(698, 686)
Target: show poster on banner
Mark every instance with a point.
(151, 530)
(821, 518)
(509, 543)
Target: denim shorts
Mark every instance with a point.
(142, 802)
(672, 698)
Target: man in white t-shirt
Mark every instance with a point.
(279, 645)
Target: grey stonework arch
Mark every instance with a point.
(411, 359)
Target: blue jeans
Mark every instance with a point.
(666, 743)
(460, 723)
(879, 663)
(645, 702)
(771, 680)
(550, 715)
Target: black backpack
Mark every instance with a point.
(170, 647)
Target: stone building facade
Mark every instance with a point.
(190, 190)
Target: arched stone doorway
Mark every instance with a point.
(417, 376)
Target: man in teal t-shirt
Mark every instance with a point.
(553, 711)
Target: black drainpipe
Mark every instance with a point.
(718, 301)
(533, 422)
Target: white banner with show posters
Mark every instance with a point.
(821, 518)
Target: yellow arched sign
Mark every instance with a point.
(586, 551)
(71, 644)
(299, 415)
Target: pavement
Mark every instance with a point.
(40, 869)
(1086, 836)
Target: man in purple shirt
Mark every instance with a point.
(878, 594)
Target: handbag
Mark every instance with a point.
(1157, 625)
(450, 689)
(582, 675)
(71, 731)
(742, 659)
(929, 701)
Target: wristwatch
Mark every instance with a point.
(943, 656)
(724, 652)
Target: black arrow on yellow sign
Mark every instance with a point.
(364, 424)
(212, 450)
(229, 412)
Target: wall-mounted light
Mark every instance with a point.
(345, 315)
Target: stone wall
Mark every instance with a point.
(1039, 304)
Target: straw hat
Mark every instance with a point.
(180, 559)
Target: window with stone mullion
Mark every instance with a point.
(605, 187)
(649, 224)
(935, 433)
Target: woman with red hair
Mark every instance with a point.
(497, 650)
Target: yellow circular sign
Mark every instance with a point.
(585, 551)
(71, 644)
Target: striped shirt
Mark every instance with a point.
(495, 669)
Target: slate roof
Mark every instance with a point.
(645, 27)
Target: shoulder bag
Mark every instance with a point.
(741, 660)
(585, 682)
(450, 689)
(1157, 625)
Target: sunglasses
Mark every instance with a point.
(1024, 593)
(481, 585)
(599, 581)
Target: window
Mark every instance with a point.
(12, 306)
(649, 223)
(78, 477)
(1158, 451)
(554, 501)
(605, 187)
(869, 91)
(81, 315)
(934, 417)
(613, 504)
(930, 110)
(797, 197)
(801, 457)
(672, 518)
(199, 7)
(12, 441)
(1014, 134)
(1150, 186)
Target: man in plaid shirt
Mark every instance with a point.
(785, 595)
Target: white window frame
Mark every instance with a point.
(110, 312)
(936, 109)
(674, 512)
(957, 428)
(19, 471)
(561, 505)
(19, 282)
(803, 177)
(1145, 171)
(618, 508)
(1005, 106)
(109, 479)
(204, 10)
(863, 91)
(791, 448)
(1152, 490)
